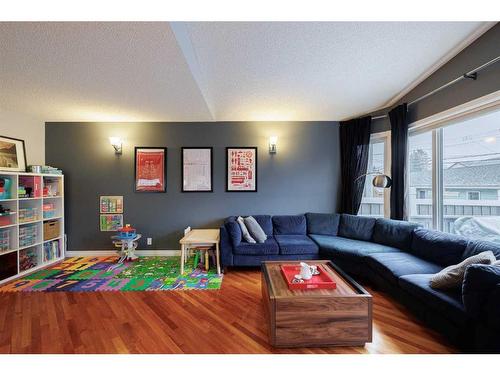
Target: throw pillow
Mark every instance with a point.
(244, 230)
(453, 276)
(255, 229)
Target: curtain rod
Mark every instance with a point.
(469, 75)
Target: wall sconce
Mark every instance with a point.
(116, 142)
(273, 140)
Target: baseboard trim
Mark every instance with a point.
(146, 253)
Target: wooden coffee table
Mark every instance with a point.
(316, 317)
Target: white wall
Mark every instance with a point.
(31, 130)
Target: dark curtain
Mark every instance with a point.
(399, 144)
(354, 145)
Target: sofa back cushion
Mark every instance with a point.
(326, 224)
(438, 247)
(475, 247)
(234, 230)
(265, 223)
(289, 224)
(356, 227)
(394, 233)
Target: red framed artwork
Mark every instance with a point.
(150, 167)
(241, 169)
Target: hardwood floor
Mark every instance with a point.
(230, 320)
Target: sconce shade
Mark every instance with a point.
(382, 181)
(273, 140)
(116, 142)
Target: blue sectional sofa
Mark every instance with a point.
(398, 257)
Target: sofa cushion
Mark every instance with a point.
(296, 244)
(452, 276)
(255, 229)
(327, 224)
(392, 266)
(356, 227)
(479, 282)
(447, 303)
(475, 247)
(395, 233)
(269, 247)
(234, 230)
(438, 247)
(289, 224)
(345, 248)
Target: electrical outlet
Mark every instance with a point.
(150, 241)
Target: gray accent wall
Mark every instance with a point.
(482, 50)
(303, 176)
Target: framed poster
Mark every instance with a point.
(111, 204)
(12, 154)
(110, 222)
(197, 169)
(150, 169)
(241, 169)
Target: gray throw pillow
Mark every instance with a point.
(453, 276)
(255, 229)
(244, 230)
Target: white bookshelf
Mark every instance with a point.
(35, 226)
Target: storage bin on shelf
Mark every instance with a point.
(27, 235)
(51, 229)
(49, 210)
(4, 240)
(28, 214)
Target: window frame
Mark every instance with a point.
(384, 137)
(435, 124)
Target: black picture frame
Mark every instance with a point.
(165, 149)
(256, 168)
(23, 156)
(211, 169)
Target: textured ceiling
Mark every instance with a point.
(217, 71)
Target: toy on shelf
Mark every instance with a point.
(5, 216)
(5, 184)
(126, 239)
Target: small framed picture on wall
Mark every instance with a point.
(12, 154)
(150, 169)
(197, 169)
(241, 169)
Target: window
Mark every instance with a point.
(375, 201)
(420, 179)
(454, 174)
(473, 195)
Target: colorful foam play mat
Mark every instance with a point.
(89, 274)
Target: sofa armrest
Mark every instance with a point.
(480, 286)
(492, 309)
(225, 247)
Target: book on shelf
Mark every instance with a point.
(51, 250)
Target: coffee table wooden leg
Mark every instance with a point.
(217, 257)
